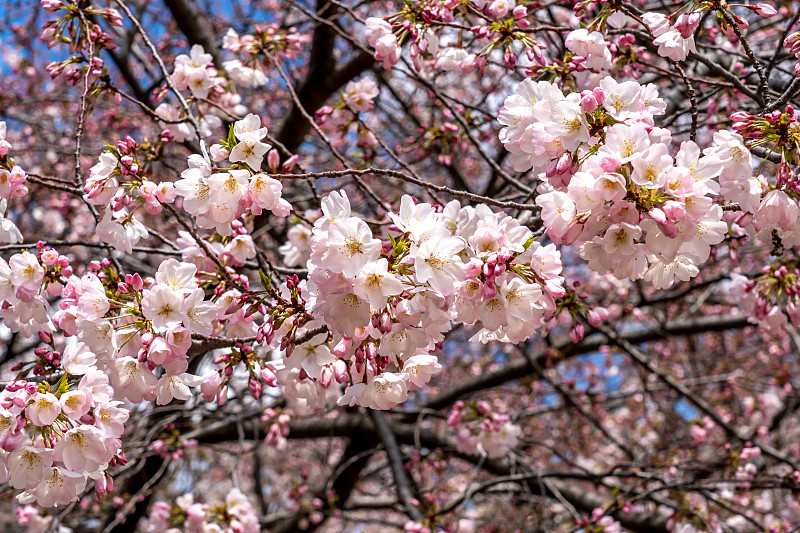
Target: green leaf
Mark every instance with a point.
(264, 278)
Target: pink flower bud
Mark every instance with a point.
(134, 281)
(468, 64)
(564, 163)
(385, 325)
(741, 116)
(273, 160)
(209, 387)
(589, 102)
(218, 152)
(597, 315)
(147, 338)
(342, 347)
(510, 58)
(371, 350)
(340, 373)
(576, 332)
(322, 113)
(100, 487)
(554, 288)
(256, 389)
(326, 376)
(764, 9)
(669, 229)
(599, 95)
(289, 164)
(269, 376)
(222, 395)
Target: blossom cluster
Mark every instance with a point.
(235, 515)
(599, 522)
(258, 48)
(76, 31)
(610, 185)
(481, 430)
(129, 340)
(25, 306)
(119, 184)
(195, 72)
(218, 199)
(358, 95)
(132, 329)
(676, 41)
(31, 518)
(56, 439)
(388, 303)
(771, 299)
(769, 208)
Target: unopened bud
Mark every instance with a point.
(273, 160)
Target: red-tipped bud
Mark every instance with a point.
(256, 388)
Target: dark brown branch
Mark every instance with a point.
(194, 27)
(523, 367)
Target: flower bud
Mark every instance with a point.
(576, 332)
(256, 389)
(269, 376)
(134, 281)
(326, 376)
(386, 323)
(340, 373)
(218, 152)
(764, 9)
(289, 164)
(342, 347)
(599, 95)
(273, 160)
(588, 102)
(371, 351)
(222, 395)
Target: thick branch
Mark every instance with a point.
(523, 367)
